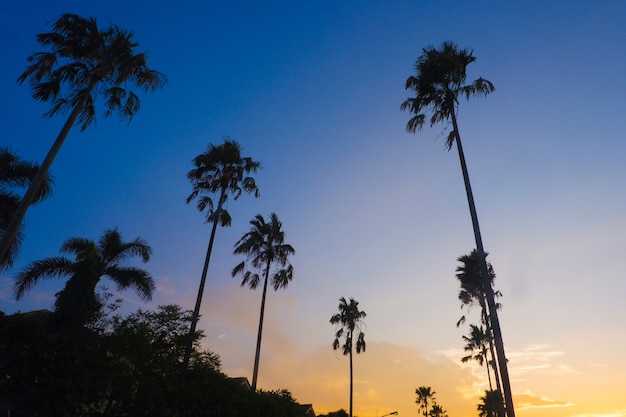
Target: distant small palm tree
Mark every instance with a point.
(220, 171)
(491, 405)
(264, 245)
(350, 322)
(16, 173)
(87, 62)
(437, 411)
(425, 396)
(77, 303)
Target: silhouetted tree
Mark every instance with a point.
(438, 83)
(477, 343)
(491, 405)
(16, 173)
(349, 321)
(85, 61)
(472, 292)
(264, 246)
(425, 397)
(438, 411)
(77, 302)
(220, 171)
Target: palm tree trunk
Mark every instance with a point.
(351, 377)
(495, 323)
(196, 310)
(491, 351)
(486, 359)
(35, 186)
(257, 353)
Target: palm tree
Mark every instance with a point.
(491, 405)
(349, 320)
(477, 344)
(425, 395)
(264, 246)
(16, 173)
(438, 411)
(86, 62)
(472, 292)
(77, 303)
(221, 171)
(438, 83)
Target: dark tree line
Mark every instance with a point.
(121, 366)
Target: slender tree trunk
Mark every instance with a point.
(351, 375)
(257, 353)
(196, 310)
(493, 363)
(35, 186)
(486, 359)
(493, 314)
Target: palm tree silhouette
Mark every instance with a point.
(86, 62)
(438, 83)
(16, 173)
(76, 304)
(477, 344)
(472, 292)
(264, 245)
(491, 405)
(221, 171)
(350, 320)
(425, 395)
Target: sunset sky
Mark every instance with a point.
(313, 91)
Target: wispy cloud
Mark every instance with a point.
(529, 400)
(537, 360)
(619, 413)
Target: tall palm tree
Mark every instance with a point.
(264, 246)
(349, 321)
(220, 171)
(16, 173)
(438, 83)
(86, 62)
(477, 344)
(77, 302)
(472, 292)
(425, 396)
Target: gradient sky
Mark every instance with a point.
(313, 90)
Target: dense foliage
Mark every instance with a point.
(121, 366)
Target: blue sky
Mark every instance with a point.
(313, 90)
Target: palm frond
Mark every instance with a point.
(282, 278)
(76, 245)
(130, 277)
(43, 269)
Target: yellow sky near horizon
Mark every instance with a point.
(547, 379)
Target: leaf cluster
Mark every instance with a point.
(349, 320)
(15, 174)
(84, 60)
(439, 81)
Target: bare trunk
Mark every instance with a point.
(257, 353)
(196, 310)
(351, 377)
(35, 186)
(493, 314)
(493, 361)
